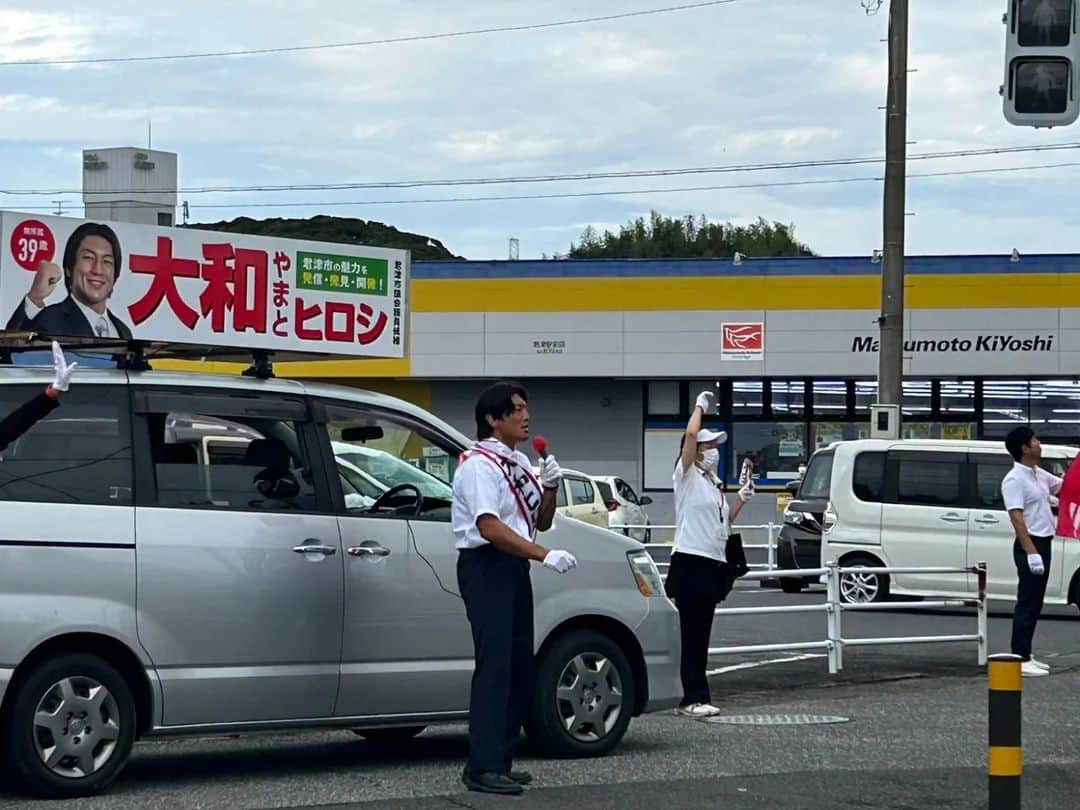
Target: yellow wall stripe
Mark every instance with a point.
(960, 291)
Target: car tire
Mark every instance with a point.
(791, 585)
(856, 589)
(95, 721)
(584, 697)
(389, 736)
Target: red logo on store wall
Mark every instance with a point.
(743, 338)
(32, 243)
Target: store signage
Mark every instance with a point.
(961, 345)
(742, 341)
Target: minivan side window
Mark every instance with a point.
(581, 491)
(818, 478)
(927, 479)
(988, 476)
(868, 477)
(80, 453)
(204, 456)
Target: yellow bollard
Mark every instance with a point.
(1006, 761)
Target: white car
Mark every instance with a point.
(579, 498)
(624, 506)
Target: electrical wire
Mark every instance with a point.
(567, 177)
(605, 193)
(505, 29)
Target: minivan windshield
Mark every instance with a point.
(815, 484)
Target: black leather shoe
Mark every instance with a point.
(498, 783)
(521, 777)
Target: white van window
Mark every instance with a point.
(868, 477)
(581, 491)
(988, 476)
(928, 481)
(815, 484)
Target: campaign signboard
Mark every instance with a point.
(114, 281)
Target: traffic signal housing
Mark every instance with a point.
(1042, 57)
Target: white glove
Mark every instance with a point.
(550, 472)
(747, 492)
(560, 561)
(1035, 563)
(703, 400)
(63, 370)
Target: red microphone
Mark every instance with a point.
(540, 446)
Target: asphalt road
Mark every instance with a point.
(908, 731)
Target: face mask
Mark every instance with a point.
(711, 458)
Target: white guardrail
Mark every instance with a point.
(772, 534)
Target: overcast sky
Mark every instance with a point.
(748, 82)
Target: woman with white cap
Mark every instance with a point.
(699, 577)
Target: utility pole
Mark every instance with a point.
(891, 355)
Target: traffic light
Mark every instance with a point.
(1042, 59)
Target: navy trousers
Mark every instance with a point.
(498, 599)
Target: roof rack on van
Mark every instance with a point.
(135, 355)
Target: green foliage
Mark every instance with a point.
(342, 230)
(672, 238)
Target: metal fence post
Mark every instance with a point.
(1006, 757)
(980, 570)
(772, 546)
(832, 618)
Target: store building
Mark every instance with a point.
(614, 352)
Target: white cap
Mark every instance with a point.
(712, 435)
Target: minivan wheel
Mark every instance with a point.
(72, 727)
(389, 736)
(584, 696)
(860, 589)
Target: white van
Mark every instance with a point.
(929, 503)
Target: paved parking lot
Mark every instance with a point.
(913, 734)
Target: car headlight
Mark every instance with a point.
(646, 574)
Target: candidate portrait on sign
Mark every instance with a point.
(92, 260)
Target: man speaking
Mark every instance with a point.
(498, 505)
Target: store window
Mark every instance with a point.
(777, 449)
(788, 398)
(830, 398)
(747, 398)
(916, 398)
(825, 433)
(1054, 408)
(1005, 406)
(663, 398)
(938, 430)
(957, 397)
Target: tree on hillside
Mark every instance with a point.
(672, 237)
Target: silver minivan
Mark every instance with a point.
(192, 554)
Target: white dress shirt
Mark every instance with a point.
(702, 516)
(1029, 489)
(502, 488)
(100, 325)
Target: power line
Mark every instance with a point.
(363, 43)
(613, 192)
(552, 178)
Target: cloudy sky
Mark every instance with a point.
(750, 81)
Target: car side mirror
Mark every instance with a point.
(645, 500)
(792, 487)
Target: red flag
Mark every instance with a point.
(1069, 503)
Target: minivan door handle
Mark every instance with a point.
(952, 517)
(312, 547)
(987, 520)
(368, 551)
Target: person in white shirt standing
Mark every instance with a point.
(1026, 490)
(498, 506)
(699, 576)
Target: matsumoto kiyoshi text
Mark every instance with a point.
(982, 343)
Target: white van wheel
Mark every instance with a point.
(860, 589)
